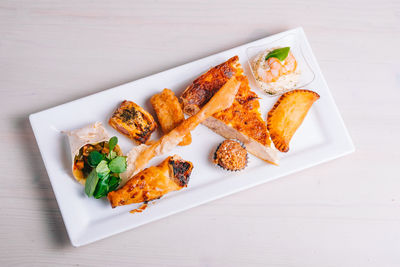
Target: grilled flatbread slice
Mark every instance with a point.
(242, 120)
(287, 115)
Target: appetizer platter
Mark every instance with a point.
(147, 149)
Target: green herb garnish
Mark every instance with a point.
(94, 158)
(102, 169)
(91, 182)
(280, 53)
(112, 143)
(102, 187)
(105, 185)
(104, 177)
(111, 155)
(113, 183)
(118, 165)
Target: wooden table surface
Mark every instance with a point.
(342, 213)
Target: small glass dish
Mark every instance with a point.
(306, 76)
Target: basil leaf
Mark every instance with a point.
(113, 183)
(91, 182)
(280, 53)
(118, 164)
(94, 158)
(102, 169)
(102, 187)
(112, 143)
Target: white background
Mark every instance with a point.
(342, 213)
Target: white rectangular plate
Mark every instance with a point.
(321, 137)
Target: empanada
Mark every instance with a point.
(287, 115)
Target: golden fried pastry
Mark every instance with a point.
(231, 155)
(169, 113)
(139, 156)
(154, 182)
(133, 121)
(242, 120)
(287, 115)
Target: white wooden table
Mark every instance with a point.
(342, 213)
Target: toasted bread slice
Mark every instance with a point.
(242, 120)
(287, 115)
(169, 113)
(133, 121)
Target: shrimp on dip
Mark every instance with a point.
(275, 70)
